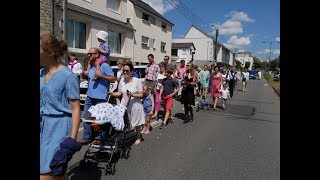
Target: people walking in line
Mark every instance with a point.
(231, 79)
(74, 65)
(131, 90)
(216, 86)
(152, 72)
(59, 105)
(181, 70)
(187, 94)
(148, 107)
(204, 79)
(157, 95)
(168, 89)
(97, 91)
(245, 79)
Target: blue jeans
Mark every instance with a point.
(86, 126)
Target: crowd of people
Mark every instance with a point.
(164, 82)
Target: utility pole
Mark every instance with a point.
(216, 47)
(270, 43)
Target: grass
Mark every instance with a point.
(274, 84)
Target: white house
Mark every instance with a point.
(153, 32)
(182, 51)
(205, 45)
(86, 17)
(244, 57)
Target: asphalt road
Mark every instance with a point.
(242, 142)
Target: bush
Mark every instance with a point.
(267, 76)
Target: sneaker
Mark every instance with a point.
(163, 125)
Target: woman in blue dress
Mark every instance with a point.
(59, 102)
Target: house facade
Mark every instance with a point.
(153, 32)
(182, 51)
(244, 57)
(205, 45)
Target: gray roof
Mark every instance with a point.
(148, 8)
(98, 15)
(182, 45)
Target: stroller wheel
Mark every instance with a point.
(122, 154)
(113, 169)
(127, 153)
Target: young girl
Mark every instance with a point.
(148, 106)
(225, 94)
(104, 50)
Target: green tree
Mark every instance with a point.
(274, 64)
(247, 65)
(238, 65)
(257, 63)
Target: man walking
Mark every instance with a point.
(97, 90)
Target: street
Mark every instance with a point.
(242, 142)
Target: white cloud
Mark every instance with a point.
(239, 43)
(276, 51)
(239, 16)
(241, 50)
(278, 39)
(161, 6)
(265, 51)
(229, 28)
(234, 24)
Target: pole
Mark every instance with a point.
(53, 4)
(64, 20)
(216, 48)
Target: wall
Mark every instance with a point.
(45, 15)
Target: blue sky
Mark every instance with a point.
(243, 24)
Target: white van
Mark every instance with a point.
(140, 70)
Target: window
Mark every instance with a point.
(113, 4)
(144, 41)
(76, 34)
(163, 26)
(163, 46)
(174, 52)
(152, 20)
(151, 42)
(114, 42)
(145, 16)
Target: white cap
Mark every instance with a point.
(102, 35)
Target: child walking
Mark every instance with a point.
(225, 94)
(168, 89)
(148, 106)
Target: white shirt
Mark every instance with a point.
(134, 86)
(245, 75)
(160, 77)
(77, 67)
(225, 93)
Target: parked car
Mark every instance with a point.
(252, 74)
(140, 70)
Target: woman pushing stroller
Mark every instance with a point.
(131, 87)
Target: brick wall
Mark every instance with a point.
(45, 15)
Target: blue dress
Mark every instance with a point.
(147, 104)
(55, 112)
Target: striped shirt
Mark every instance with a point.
(152, 71)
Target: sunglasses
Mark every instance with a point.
(165, 59)
(187, 65)
(126, 71)
(90, 54)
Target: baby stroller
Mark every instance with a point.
(112, 120)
